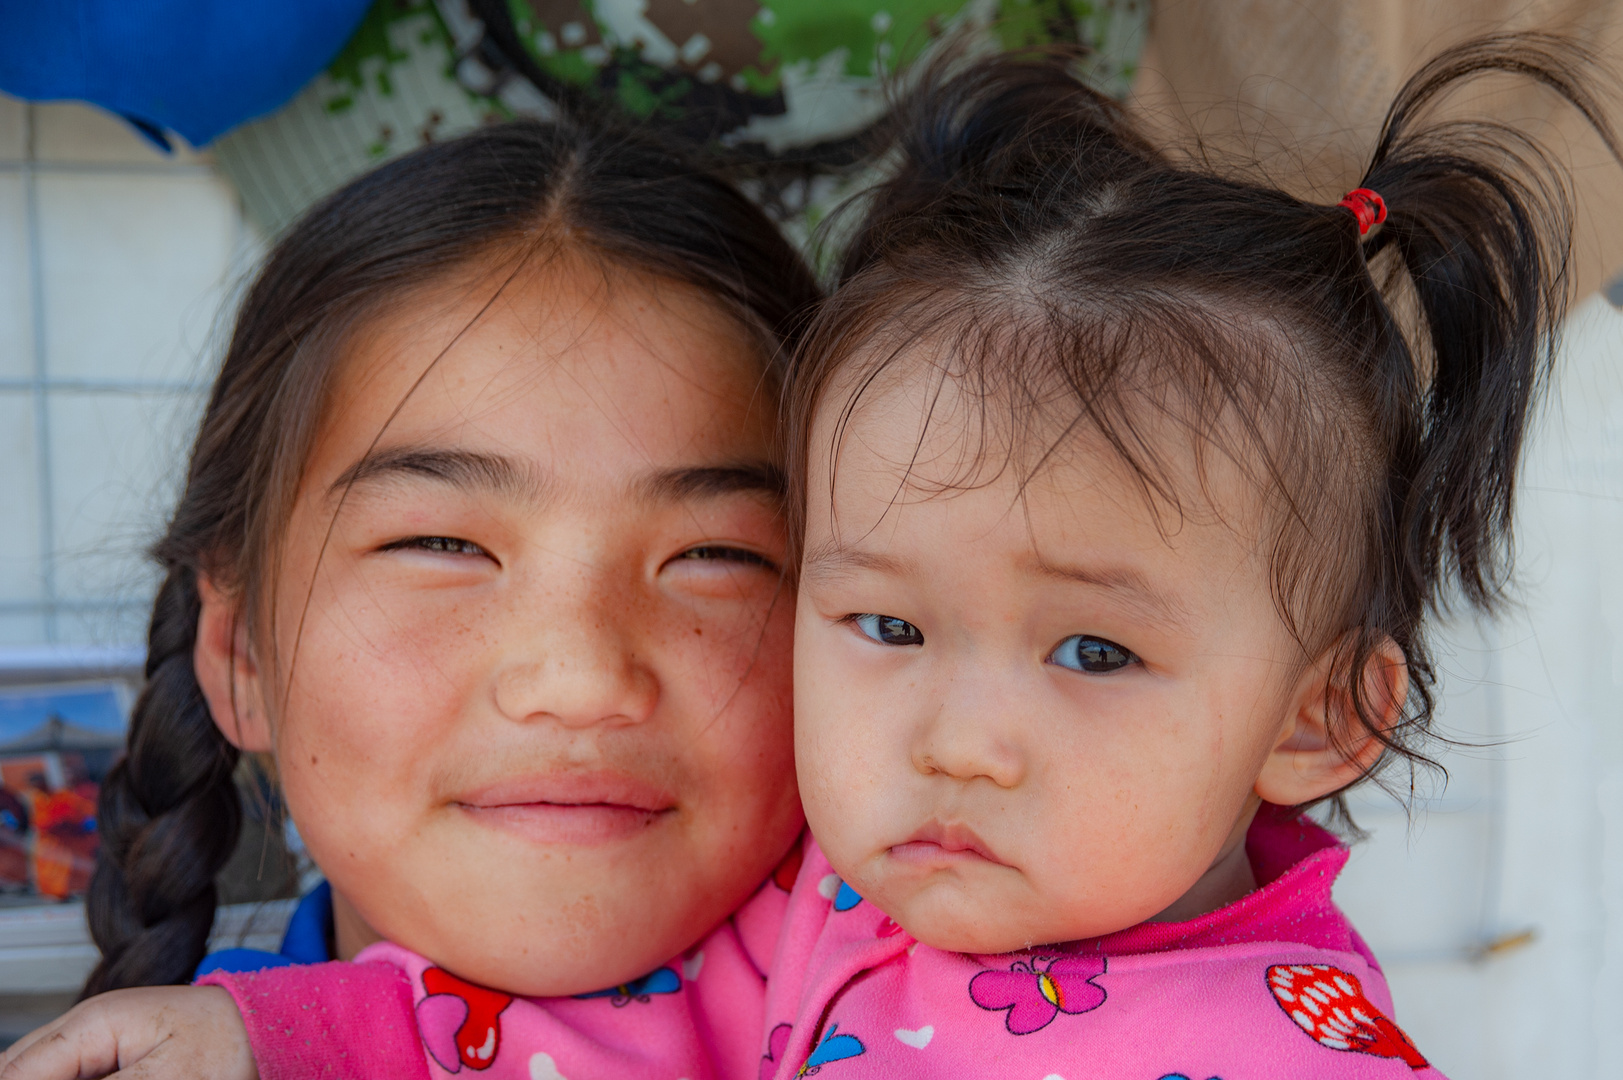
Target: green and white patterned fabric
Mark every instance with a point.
(785, 85)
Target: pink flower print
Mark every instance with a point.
(1035, 994)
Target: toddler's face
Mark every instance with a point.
(1023, 715)
(538, 725)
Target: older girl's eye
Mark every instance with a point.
(1096, 656)
(888, 630)
(723, 553)
(439, 545)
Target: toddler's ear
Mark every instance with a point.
(1322, 745)
(226, 670)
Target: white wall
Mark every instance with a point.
(1528, 838)
(113, 259)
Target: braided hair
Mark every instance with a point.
(170, 813)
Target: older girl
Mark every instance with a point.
(481, 542)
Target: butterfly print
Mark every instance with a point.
(1035, 994)
(660, 981)
(834, 1047)
(1329, 1004)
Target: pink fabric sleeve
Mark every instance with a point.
(328, 1020)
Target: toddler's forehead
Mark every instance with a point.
(916, 429)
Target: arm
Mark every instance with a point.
(313, 1020)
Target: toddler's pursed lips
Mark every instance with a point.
(936, 842)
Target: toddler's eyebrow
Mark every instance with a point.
(1121, 580)
(832, 560)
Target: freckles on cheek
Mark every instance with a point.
(744, 666)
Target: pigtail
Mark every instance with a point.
(1021, 132)
(1480, 222)
(169, 815)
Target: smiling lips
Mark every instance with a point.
(936, 845)
(570, 808)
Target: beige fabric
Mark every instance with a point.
(1301, 86)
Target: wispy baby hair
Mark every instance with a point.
(1375, 386)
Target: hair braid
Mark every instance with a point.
(169, 815)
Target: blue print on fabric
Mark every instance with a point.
(662, 981)
(834, 1047)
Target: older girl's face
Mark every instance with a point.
(532, 715)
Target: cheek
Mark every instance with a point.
(1149, 788)
(730, 683)
(850, 759)
(372, 699)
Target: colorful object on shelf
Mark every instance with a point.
(56, 744)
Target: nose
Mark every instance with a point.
(969, 737)
(577, 665)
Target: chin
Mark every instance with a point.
(961, 937)
(956, 927)
(558, 971)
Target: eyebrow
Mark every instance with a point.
(707, 481)
(1122, 580)
(507, 477)
(459, 468)
(833, 560)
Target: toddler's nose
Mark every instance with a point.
(960, 743)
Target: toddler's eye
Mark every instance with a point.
(1090, 654)
(439, 545)
(888, 630)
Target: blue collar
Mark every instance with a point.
(304, 942)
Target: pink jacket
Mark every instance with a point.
(1277, 984)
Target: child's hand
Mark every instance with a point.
(146, 1034)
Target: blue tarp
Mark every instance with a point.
(194, 67)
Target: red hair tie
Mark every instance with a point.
(1367, 206)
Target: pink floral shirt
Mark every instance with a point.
(1277, 984)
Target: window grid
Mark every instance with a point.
(53, 609)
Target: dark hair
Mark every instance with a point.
(1376, 388)
(170, 811)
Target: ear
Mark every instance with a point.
(227, 672)
(1322, 746)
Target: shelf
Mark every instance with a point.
(46, 948)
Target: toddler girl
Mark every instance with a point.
(1123, 490)
(1126, 487)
